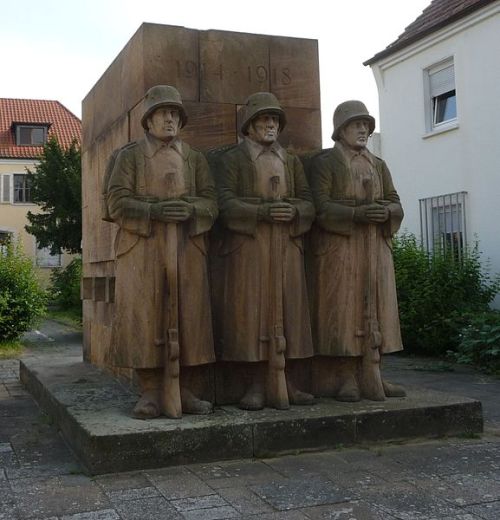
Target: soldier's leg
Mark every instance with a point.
(346, 371)
(192, 378)
(148, 406)
(255, 395)
(297, 371)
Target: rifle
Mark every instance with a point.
(371, 379)
(170, 397)
(277, 394)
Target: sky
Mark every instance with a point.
(58, 49)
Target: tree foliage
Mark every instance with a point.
(56, 188)
(438, 294)
(22, 300)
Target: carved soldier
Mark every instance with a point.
(265, 207)
(161, 195)
(352, 291)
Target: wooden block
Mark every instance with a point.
(106, 101)
(210, 125)
(233, 66)
(99, 289)
(303, 130)
(99, 235)
(100, 340)
(86, 292)
(294, 72)
(171, 57)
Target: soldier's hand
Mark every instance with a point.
(172, 211)
(282, 211)
(371, 214)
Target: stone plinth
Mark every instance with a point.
(92, 409)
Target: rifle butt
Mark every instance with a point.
(171, 393)
(277, 393)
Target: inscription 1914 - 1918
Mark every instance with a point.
(259, 73)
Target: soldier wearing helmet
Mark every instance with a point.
(154, 183)
(352, 291)
(264, 200)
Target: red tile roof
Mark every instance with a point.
(435, 16)
(63, 124)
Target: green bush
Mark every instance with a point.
(65, 285)
(438, 294)
(22, 300)
(480, 342)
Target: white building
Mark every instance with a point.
(439, 85)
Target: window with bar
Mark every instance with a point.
(443, 223)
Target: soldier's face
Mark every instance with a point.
(355, 134)
(264, 129)
(164, 123)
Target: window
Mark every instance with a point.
(5, 239)
(442, 223)
(22, 189)
(44, 258)
(31, 135)
(442, 98)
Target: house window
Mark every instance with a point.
(5, 239)
(442, 223)
(442, 100)
(31, 135)
(44, 258)
(22, 188)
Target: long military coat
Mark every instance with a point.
(339, 261)
(141, 291)
(244, 313)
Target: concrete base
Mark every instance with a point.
(93, 412)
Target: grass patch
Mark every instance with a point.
(10, 349)
(70, 316)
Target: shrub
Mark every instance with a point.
(65, 284)
(22, 300)
(438, 294)
(480, 342)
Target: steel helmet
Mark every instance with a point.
(347, 112)
(160, 96)
(260, 103)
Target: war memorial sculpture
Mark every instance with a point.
(238, 284)
(161, 195)
(352, 283)
(265, 208)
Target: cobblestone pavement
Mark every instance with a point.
(440, 479)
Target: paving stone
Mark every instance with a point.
(57, 496)
(121, 481)
(103, 514)
(244, 500)
(215, 513)
(156, 508)
(298, 493)
(281, 515)
(355, 510)
(3, 476)
(235, 473)
(120, 495)
(13, 407)
(490, 511)
(406, 502)
(205, 502)
(472, 489)
(182, 485)
(34, 470)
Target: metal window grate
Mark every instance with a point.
(443, 223)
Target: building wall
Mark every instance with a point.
(466, 158)
(13, 218)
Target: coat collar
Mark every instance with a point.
(151, 146)
(254, 150)
(348, 154)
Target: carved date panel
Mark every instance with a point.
(232, 66)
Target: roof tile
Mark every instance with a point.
(436, 15)
(63, 124)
